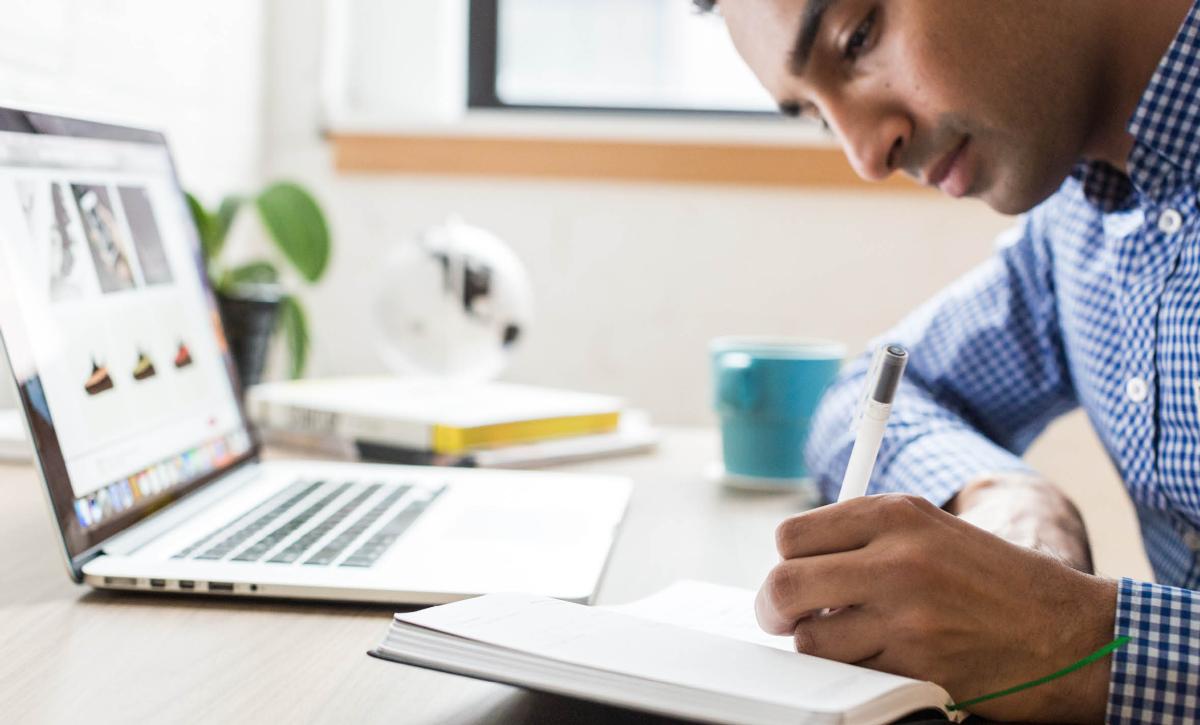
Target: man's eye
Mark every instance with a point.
(857, 42)
(794, 109)
(810, 112)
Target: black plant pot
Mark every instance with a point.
(248, 314)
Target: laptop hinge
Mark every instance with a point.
(81, 560)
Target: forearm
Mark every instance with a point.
(1027, 511)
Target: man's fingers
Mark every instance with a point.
(847, 635)
(797, 587)
(846, 526)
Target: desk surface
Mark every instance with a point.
(72, 654)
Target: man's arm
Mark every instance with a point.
(920, 592)
(987, 374)
(1028, 511)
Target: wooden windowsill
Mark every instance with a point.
(740, 154)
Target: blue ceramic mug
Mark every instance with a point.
(765, 393)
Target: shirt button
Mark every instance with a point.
(1169, 221)
(1136, 389)
(1191, 539)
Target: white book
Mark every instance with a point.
(439, 415)
(692, 651)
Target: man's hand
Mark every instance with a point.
(918, 592)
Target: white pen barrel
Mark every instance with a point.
(866, 449)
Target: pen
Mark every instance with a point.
(882, 381)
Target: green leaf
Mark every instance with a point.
(222, 221)
(204, 225)
(295, 329)
(252, 272)
(298, 227)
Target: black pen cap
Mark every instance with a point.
(891, 369)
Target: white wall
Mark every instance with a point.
(194, 70)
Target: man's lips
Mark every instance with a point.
(941, 172)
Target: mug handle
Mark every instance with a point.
(734, 388)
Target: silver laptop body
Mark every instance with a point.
(151, 471)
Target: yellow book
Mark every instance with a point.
(447, 439)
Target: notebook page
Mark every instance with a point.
(727, 611)
(616, 642)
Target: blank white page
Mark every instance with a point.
(618, 642)
(727, 611)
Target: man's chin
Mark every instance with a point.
(1017, 196)
(1015, 201)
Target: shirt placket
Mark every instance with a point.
(1145, 265)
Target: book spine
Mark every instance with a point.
(381, 453)
(305, 420)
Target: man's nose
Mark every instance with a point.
(875, 144)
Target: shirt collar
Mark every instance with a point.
(1165, 128)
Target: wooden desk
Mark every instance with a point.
(69, 654)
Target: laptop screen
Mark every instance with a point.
(111, 330)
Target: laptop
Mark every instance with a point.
(150, 467)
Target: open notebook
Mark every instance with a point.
(693, 650)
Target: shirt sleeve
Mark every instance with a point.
(986, 374)
(1156, 676)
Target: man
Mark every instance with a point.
(1084, 114)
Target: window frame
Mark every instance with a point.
(483, 40)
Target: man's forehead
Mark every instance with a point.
(765, 32)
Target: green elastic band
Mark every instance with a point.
(1097, 655)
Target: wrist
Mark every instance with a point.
(1083, 695)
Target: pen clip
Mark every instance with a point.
(868, 385)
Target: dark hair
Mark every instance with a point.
(705, 6)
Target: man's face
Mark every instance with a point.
(987, 99)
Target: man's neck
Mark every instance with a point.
(1138, 35)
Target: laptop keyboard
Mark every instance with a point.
(321, 521)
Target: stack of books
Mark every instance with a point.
(433, 421)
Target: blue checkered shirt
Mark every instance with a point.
(1092, 301)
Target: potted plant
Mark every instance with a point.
(253, 301)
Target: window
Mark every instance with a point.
(641, 55)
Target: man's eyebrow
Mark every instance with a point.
(810, 27)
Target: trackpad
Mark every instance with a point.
(517, 526)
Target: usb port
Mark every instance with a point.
(121, 581)
(186, 584)
(220, 587)
(158, 583)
